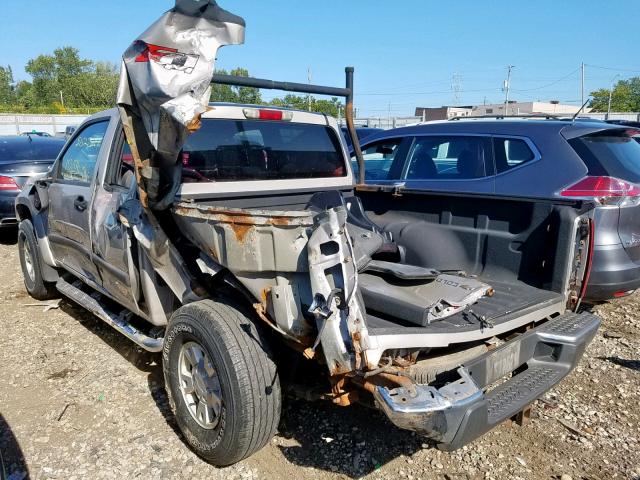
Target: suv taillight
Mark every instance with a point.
(8, 184)
(607, 190)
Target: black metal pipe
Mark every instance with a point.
(351, 126)
(275, 85)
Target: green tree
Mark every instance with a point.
(625, 97)
(227, 93)
(7, 95)
(63, 74)
(95, 89)
(330, 107)
(82, 83)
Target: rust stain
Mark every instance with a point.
(336, 369)
(280, 221)
(194, 124)
(239, 229)
(346, 399)
(264, 293)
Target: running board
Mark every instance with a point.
(91, 303)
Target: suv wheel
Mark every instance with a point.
(222, 383)
(30, 263)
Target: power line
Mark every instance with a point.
(612, 68)
(425, 93)
(549, 84)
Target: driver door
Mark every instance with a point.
(70, 196)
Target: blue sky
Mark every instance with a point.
(406, 53)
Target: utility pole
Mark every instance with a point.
(507, 86)
(61, 99)
(456, 87)
(309, 96)
(389, 116)
(582, 83)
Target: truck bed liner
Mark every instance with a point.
(511, 300)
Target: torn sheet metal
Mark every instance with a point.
(161, 254)
(337, 306)
(165, 86)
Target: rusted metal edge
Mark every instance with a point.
(245, 216)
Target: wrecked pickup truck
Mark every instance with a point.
(449, 313)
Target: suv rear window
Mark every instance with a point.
(612, 153)
(230, 150)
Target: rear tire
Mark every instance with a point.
(30, 264)
(222, 383)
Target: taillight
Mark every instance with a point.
(264, 114)
(152, 52)
(8, 184)
(607, 190)
(623, 293)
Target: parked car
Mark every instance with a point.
(550, 159)
(361, 132)
(20, 158)
(628, 123)
(35, 133)
(68, 131)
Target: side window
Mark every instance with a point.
(125, 175)
(511, 152)
(379, 158)
(449, 158)
(79, 161)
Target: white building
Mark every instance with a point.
(428, 114)
(498, 109)
(526, 108)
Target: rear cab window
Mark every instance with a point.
(611, 153)
(224, 150)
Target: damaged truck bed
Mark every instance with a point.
(234, 240)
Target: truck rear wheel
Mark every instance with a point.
(222, 383)
(30, 264)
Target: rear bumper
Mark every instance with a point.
(8, 209)
(612, 271)
(461, 411)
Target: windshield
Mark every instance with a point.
(612, 153)
(229, 150)
(23, 150)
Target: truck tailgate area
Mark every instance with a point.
(511, 300)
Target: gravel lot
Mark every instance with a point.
(79, 401)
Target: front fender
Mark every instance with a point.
(26, 210)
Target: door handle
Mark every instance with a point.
(80, 203)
